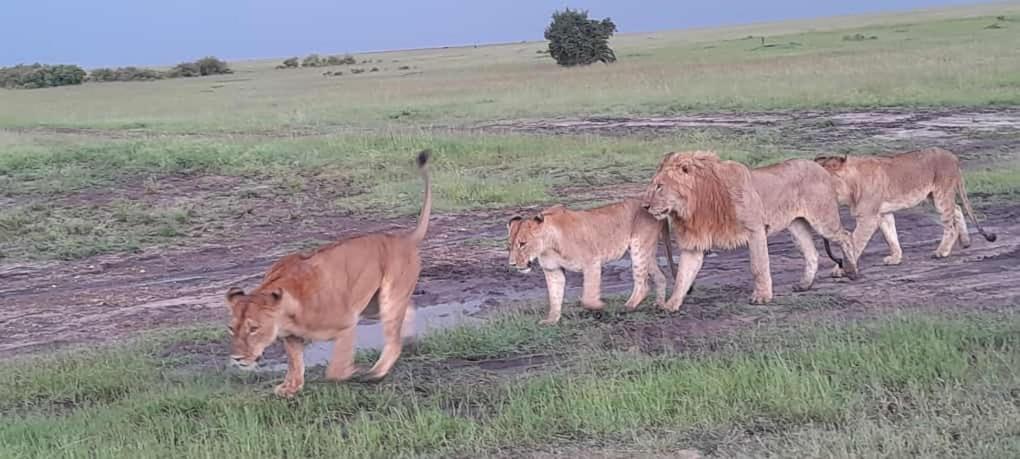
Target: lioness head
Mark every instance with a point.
(526, 241)
(253, 325)
(673, 183)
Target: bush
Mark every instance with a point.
(40, 76)
(212, 66)
(290, 63)
(125, 74)
(576, 40)
(184, 70)
(312, 60)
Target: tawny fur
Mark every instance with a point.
(722, 204)
(876, 186)
(320, 296)
(563, 239)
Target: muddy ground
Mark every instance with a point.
(49, 305)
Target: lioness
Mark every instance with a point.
(723, 204)
(876, 186)
(559, 238)
(320, 296)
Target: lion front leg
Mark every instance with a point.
(687, 270)
(759, 248)
(555, 284)
(295, 378)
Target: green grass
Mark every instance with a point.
(908, 384)
(948, 58)
(76, 200)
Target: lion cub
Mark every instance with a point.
(559, 238)
(321, 295)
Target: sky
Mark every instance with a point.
(141, 32)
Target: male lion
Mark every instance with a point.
(320, 296)
(723, 204)
(876, 186)
(559, 238)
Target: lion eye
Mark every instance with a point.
(252, 330)
(683, 168)
(230, 331)
(658, 186)
(521, 244)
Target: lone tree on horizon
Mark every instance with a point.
(576, 40)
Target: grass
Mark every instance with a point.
(70, 201)
(900, 386)
(949, 58)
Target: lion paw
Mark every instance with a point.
(760, 299)
(801, 288)
(892, 260)
(549, 321)
(286, 390)
(837, 272)
(596, 305)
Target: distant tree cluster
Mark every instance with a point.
(576, 40)
(125, 74)
(315, 60)
(202, 67)
(40, 76)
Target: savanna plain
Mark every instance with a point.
(128, 209)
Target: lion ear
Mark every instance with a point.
(276, 294)
(516, 218)
(539, 218)
(234, 292)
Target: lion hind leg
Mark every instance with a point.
(640, 256)
(944, 203)
(801, 233)
(888, 227)
(393, 309)
(961, 224)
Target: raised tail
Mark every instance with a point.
(990, 237)
(426, 208)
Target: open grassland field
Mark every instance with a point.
(128, 209)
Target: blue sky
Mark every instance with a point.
(142, 32)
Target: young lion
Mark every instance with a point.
(715, 203)
(876, 186)
(560, 239)
(319, 296)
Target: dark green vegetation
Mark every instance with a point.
(906, 385)
(40, 76)
(576, 40)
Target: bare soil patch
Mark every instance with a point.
(48, 305)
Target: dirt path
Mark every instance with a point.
(105, 298)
